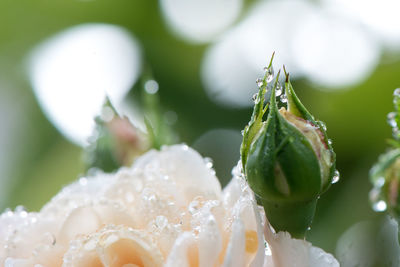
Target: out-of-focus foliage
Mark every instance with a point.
(36, 160)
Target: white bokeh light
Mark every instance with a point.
(381, 17)
(200, 21)
(333, 52)
(268, 28)
(73, 71)
(232, 64)
(228, 77)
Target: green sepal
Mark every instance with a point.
(255, 123)
(298, 109)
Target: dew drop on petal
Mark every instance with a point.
(83, 181)
(138, 184)
(208, 162)
(194, 206)
(161, 222)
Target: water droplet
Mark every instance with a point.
(379, 182)
(21, 211)
(111, 239)
(379, 206)
(391, 119)
(49, 239)
(194, 206)
(208, 162)
(242, 132)
(151, 87)
(90, 245)
(308, 228)
(107, 114)
(336, 177)
(396, 92)
(268, 251)
(278, 90)
(330, 142)
(83, 181)
(185, 147)
(254, 97)
(323, 126)
(269, 72)
(161, 222)
(129, 197)
(259, 82)
(283, 98)
(137, 184)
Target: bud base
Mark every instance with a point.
(294, 218)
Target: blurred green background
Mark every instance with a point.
(36, 160)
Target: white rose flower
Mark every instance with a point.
(168, 209)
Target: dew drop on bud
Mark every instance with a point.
(254, 97)
(396, 92)
(278, 90)
(379, 206)
(242, 132)
(391, 119)
(336, 177)
(283, 98)
(330, 142)
(269, 73)
(259, 82)
(322, 125)
(379, 182)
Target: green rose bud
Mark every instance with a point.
(385, 174)
(287, 159)
(115, 141)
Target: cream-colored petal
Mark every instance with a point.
(260, 255)
(209, 241)
(114, 246)
(185, 167)
(184, 253)
(235, 253)
(81, 221)
(286, 251)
